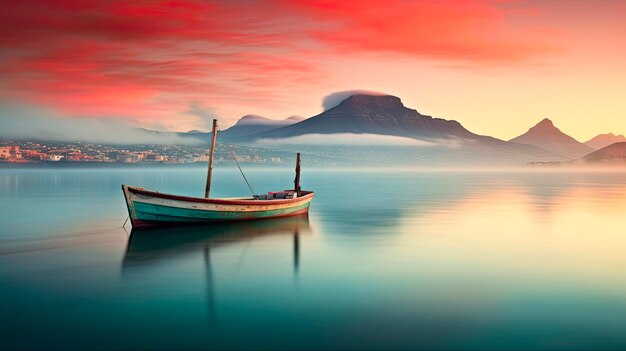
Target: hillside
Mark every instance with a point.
(548, 137)
(252, 124)
(612, 154)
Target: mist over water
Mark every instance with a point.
(388, 258)
(27, 123)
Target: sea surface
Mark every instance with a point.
(388, 258)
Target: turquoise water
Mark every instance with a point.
(387, 259)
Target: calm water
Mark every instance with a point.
(387, 259)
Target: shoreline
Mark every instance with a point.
(529, 168)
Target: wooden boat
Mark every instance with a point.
(152, 208)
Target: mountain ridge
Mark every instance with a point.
(387, 115)
(548, 137)
(603, 140)
(612, 154)
(358, 122)
(381, 114)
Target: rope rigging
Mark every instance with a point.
(232, 154)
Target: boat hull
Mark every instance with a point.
(151, 208)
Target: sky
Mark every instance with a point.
(498, 67)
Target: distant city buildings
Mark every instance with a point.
(10, 152)
(32, 151)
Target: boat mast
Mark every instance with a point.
(207, 190)
(297, 180)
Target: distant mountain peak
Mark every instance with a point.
(545, 126)
(547, 136)
(546, 122)
(252, 116)
(603, 140)
(612, 135)
(251, 124)
(253, 119)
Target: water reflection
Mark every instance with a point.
(399, 260)
(149, 247)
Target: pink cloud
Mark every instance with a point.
(448, 29)
(149, 60)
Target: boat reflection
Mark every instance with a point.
(149, 247)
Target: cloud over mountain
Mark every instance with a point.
(352, 139)
(335, 98)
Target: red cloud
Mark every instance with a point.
(149, 60)
(445, 29)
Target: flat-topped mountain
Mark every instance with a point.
(372, 114)
(612, 154)
(546, 136)
(604, 140)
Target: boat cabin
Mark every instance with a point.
(277, 195)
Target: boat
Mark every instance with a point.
(150, 208)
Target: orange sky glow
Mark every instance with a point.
(498, 67)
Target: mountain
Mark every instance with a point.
(612, 154)
(604, 140)
(158, 137)
(367, 129)
(252, 124)
(296, 119)
(360, 118)
(546, 136)
(371, 114)
(246, 125)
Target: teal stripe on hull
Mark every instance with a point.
(158, 213)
